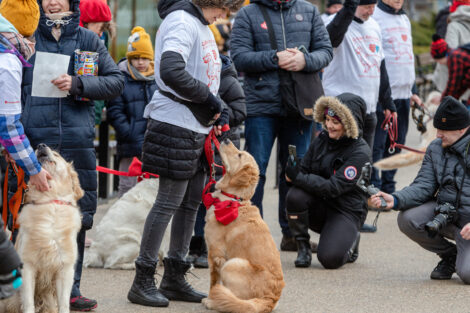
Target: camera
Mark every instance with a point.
(445, 213)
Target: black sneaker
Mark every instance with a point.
(444, 269)
(82, 304)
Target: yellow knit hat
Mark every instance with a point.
(139, 44)
(23, 14)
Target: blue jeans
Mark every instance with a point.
(260, 133)
(386, 182)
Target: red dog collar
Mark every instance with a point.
(225, 211)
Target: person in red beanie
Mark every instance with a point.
(96, 16)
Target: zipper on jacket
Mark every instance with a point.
(283, 28)
(60, 124)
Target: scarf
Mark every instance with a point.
(58, 20)
(18, 45)
(142, 76)
(225, 211)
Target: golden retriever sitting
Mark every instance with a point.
(49, 223)
(245, 265)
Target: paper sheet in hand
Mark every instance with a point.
(47, 67)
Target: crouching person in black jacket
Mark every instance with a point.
(324, 196)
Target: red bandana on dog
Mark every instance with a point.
(225, 211)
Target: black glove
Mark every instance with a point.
(292, 167)
(223, 119)
(215, 104)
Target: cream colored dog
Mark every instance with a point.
(47, 239)
(118, 235)
(407, 158)
(245, 266)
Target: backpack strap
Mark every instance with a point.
(13, 205)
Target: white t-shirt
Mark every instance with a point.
(11, 72)
(398, 50)
(356, 63)
(183, 33)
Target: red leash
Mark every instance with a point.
(135, 170)
(209, 151)
(390, 125)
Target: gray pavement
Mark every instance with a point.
(390, 275)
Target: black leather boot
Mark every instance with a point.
(143, 290)
(304, 254)
(174, 285)
(298, 224)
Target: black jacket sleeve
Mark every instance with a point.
(337, 184)
(385, 93)
(174, 75)
(109, 83)
(338, 27)
(232, 94)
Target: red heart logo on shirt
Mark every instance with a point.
(404, 37)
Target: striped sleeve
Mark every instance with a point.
(13, 138)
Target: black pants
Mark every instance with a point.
(337, 230)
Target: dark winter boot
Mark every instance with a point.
(201, 260)
(143, 290)
(354, 251)
(174, 285)
(445, 268)
(298, 224)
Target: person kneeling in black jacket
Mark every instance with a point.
(324, 196)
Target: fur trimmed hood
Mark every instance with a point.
(351, 109)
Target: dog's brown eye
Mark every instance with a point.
(239, 155)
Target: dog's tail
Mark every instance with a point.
(400, 160)
(223, 300)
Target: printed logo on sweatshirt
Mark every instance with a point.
(398, 44)
(11, 102)
(264, 26)
(350, 172)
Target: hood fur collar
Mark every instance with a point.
(343, 112)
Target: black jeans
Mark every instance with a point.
(337, 230)
(179, 199)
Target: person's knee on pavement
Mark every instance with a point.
(331, 259)
(464, 275)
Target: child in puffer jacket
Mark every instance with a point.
(126, 112)
(232, 94)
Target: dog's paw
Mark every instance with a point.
(207, 303)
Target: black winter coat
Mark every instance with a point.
(296, 23)
(231, 92)
(65, 124)
(126, 114)
(330, 168)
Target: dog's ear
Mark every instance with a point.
(245, 177)
(77, 189)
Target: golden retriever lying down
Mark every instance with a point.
(407, 158)
(47, 239)
(116, 242)
(245, 266)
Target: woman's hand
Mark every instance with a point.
(376, 202)
(465, 232)
(63, 82)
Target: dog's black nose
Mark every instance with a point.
(41, 146)
(227, 141)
